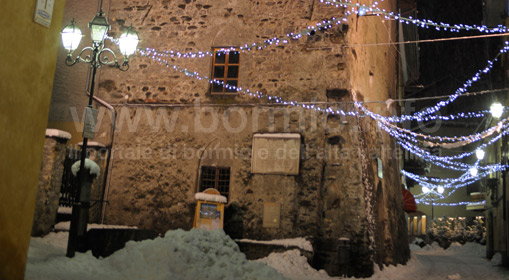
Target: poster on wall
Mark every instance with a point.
(276, 153)
(210, 217)
(43, 12)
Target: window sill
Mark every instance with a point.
(224, 93)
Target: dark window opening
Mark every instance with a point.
(217, 178)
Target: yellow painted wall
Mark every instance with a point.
(28, 51)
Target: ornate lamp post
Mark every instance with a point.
(96, 55)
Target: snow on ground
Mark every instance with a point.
(294, 266)
(201, 254)
(195, 254)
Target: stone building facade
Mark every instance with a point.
(320, 176)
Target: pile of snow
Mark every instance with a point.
(471, 249)
(496, 259)
(89, 165)
(294, 265)
(195, 254)
(47, 247)
(201, 254)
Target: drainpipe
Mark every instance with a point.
(104, 201)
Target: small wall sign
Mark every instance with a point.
(43, 12)
(90, 120)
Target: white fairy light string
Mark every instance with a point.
(426, 116)
(361, 10)
(274, 98)
(431, 110)
(256, 94)
(454, 204)
(465, 181)
(276, 41)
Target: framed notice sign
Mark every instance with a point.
(43, 12)
(276, 153)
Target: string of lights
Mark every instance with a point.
(461, 203)
(276, 41)
(431, 157)
(420, 116)
(256, 94)
(448, 162)
(450, 182)
(466, 181)
(362, 10)
(433, 109)
(500, 126)
(426, 41)
(154, 55)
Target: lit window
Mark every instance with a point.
(225, 69)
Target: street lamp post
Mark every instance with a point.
(432, 193)
(96, 55)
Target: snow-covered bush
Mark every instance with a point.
(448, 230)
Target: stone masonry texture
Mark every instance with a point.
(169, 125)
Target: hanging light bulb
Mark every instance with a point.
(496, 110)
(473, 171)
(425, 189)
(479, 154)
(440, 189)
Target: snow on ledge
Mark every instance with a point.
(65, 226)
(210, 197)
(57, 133)
(299, 242)
(64, 210)
(277, 135)
(89, 164)
(92, 144)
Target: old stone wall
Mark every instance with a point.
(50, 180)
(300, 70)
(169, 125)
(374, 77)
(156, 169)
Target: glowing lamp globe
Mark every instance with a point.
(496, 110)
(128, 42)
(479, 154)
(425, 189)
(440, 190)
(99, 26)
(71, 37)
(473, 171)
